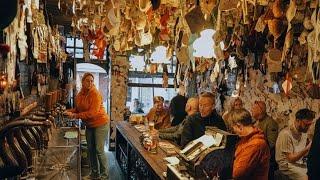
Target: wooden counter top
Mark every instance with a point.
(155, 161)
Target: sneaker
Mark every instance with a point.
(93, 177)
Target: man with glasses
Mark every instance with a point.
(291, 145)
(195, 126)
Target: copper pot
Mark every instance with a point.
(48, 102)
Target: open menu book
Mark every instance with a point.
(194, 148)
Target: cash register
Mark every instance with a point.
(207, 157)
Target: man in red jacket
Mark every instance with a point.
(252, 152)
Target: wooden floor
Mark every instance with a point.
(115, 172)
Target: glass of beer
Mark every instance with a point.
(151, 126)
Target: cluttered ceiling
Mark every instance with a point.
(282, 35)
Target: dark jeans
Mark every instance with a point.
(96, 138)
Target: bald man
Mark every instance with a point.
(174, 133)
(270, 130)
(265, 122)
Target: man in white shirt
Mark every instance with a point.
(291, 145)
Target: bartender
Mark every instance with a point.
(158, 114)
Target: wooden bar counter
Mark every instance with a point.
(133, 159)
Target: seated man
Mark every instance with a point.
(251, 160)
(158, 114)
(196, 125)
(137, 107)
(270, 130)
(174, 133)
(265, 122)
(291, 145)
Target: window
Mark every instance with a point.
(144, 86)
(75, 48)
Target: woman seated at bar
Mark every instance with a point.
(158, 114)
(251, 159)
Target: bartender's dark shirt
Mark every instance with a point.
(196, 126)
(313, 162)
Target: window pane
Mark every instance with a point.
(79, 43)
(70, 51)
(141, 80)
(137, 63)
(70, 42)
(144, 96)
(167, 93)
(79, 53)
(160, 80)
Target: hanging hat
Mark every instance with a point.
(291, 11)
(277, 9)
(195, 20)
(144, 5)
(275, 27)
(274, 60)
(307, 23)
(260, 25)
(303, 37)
(185, 38)
(182, 55)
